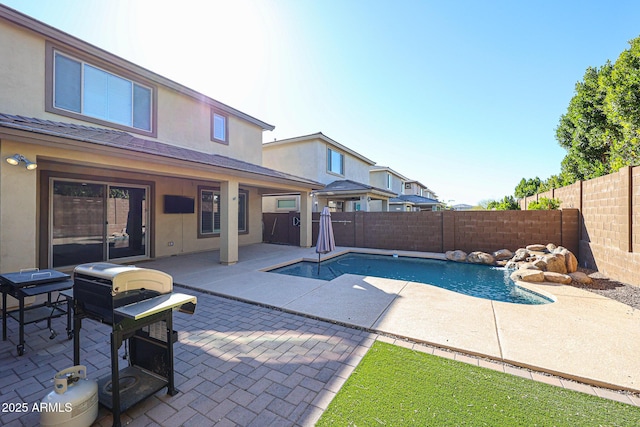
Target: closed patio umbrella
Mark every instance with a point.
(326, 242)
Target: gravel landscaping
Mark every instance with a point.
(622, 292)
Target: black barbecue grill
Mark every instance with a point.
(138, 303)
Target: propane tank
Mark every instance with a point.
(73, 401)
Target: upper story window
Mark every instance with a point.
(219, 127)
(88, 92)
(335, 162)
(389, 181)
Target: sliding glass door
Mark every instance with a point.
(126, 222)
(93, 222)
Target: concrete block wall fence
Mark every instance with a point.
(442, 231)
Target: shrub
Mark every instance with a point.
(544, 204)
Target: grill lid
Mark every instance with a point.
(125, 278)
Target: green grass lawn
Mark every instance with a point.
(395, 386)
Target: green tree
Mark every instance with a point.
(555, 181)
(508, 203)
(623, 107)
(586, 131)
(527, 187)
(601, 128)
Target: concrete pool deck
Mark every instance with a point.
(581, 336)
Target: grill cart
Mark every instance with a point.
(138, 303)
(31, 283)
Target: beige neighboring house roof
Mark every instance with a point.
(55, 34)
(123, 140)
(322, 137)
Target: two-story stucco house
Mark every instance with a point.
(415, 197)
(108, 161)
(389, 179)
(317, 157)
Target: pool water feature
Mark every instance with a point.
(470, 279)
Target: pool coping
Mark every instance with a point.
(406, 254)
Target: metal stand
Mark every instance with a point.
(111, 395)
(35, 313)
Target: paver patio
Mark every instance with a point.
(235, 364)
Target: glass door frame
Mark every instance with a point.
(105, 238)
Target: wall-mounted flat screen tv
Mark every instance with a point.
(178, 204)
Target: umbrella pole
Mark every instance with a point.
(318, 264)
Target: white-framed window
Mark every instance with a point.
(335, 162)
(289, 204)
(219, 127)
(209, 212)
(88, 90)
(389, 181)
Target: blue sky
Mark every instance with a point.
(463, 96)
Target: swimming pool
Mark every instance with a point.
(471, 279)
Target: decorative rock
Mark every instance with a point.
(457, 256)
(480, 258)
(528, 266)
(511, 265)
(580, 277)
(551, 247)
(555, 263)
(537, 248)
(570, 260)
(527, 275)
(520, 255)
(550, 276)
(540, 264)
(502, 254)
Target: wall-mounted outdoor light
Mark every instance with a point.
(17, 158)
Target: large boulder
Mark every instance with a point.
(520, 255)
(480, 258)
(458, 256)
(550, 276)
(528, 266)
(502, 254)
(570, 260)
(540, 264)
(581, 277)
(555, 263)
(527, 276)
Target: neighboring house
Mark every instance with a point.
(462, 207)
(130, 165)
(387, 178)
(416, 197)
(317, 157)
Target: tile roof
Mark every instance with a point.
(126, 141)
(346, 185)
(415, 199)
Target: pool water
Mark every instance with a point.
(470, 279)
